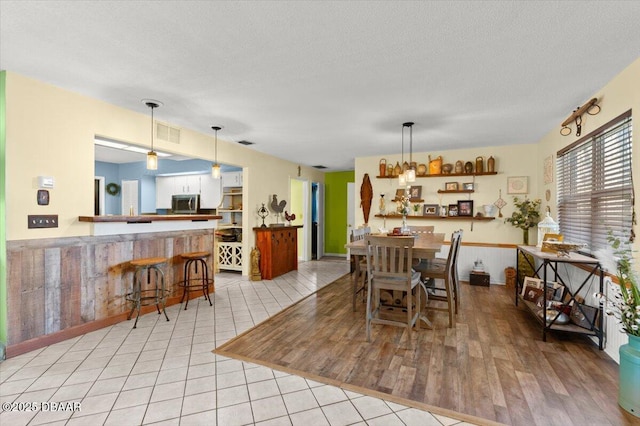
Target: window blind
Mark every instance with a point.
(595, 185)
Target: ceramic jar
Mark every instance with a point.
(479, 165)
(468, 167)
(491, 165)
(422, 169)
(459, 167)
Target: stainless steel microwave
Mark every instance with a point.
(185, 204)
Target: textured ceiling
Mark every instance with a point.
(325, 82)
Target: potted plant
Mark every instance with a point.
(525, 217)
(416, 209)
(624, 305)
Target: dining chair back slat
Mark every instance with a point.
(389, 268)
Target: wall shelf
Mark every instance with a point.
(458, 191)
(467, 218)
(444, 175)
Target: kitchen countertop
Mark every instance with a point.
(148, 218)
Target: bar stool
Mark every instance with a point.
(193, 260)
(153, 292)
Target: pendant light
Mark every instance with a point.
(215, 168)
(152, 157)
(402, 177)
(411, 172)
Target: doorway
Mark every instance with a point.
(98, 196)
(317, 220)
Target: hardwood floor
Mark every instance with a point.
(493, 365)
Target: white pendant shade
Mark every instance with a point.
(152, 160)
(215, 171)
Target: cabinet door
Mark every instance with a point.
(231, 179)
(164, 191)
(189, 184)
(210, 192)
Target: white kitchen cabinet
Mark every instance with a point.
(232, 179)
(210, 192)
(187, 184)
(164, 191)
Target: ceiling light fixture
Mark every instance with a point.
(215, 168)
(152, 157)
(410, 172)
(402, 178)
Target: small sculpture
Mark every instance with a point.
(277, 207)
(262, 213)
(255, 264)
(289, 217)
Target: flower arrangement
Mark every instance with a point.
(404, 205)
(526, 215)
(625, 302)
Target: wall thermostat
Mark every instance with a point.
(46, 182)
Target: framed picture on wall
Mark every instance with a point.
(415, 192)
(517, 185)
(465, 207)
(453, 210)
(430, 210)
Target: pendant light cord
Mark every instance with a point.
(152, 107)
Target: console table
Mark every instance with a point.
(550, 261)
(278, 247)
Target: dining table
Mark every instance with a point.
(424, 247)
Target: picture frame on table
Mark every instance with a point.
(468, 186)
(430, 210)
(451, 186)
(530, 282)
(585, 317)
(517, 185)
(465, 207)
(453, 210)
(415, 192)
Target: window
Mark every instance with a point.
(595, 187)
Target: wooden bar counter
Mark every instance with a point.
(58, 288)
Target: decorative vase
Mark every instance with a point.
(404, 230)
(383, 205)
(629, 389)
(525, 237)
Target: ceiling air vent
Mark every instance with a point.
(319, 167)
(167, 133)
(243, 142)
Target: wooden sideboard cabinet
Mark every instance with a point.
(278, 247)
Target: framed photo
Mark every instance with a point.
(451, 186)
(465, 207)
(469, 186)
(532, 294)
(530, 282)
(453, 210)
(585, 317)
(430, 210)
(399, 194)
(415, 192)
(555, 291)
(517, 185)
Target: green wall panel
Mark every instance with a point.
(335, 211)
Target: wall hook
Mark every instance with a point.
(591, 108)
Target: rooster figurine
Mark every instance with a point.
(289, 217)
(277, 207)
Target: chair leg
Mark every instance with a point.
(449, 301)
(368, 317)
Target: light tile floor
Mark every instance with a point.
(165, 373)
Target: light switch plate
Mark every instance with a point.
(42, 221)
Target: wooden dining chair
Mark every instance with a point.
(359, 282)
(447, 273)
(389, 268)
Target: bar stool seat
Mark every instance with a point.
(193, 261)
(154, 292)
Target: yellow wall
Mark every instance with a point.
(510, 161)
(618, 96)
(50, 132)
